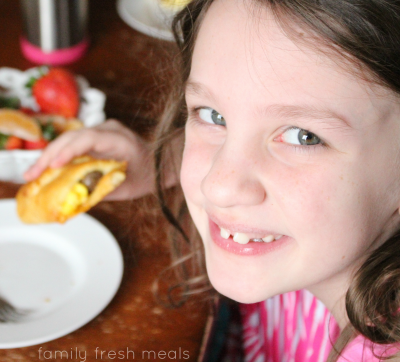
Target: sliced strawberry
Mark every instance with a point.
(14, 143)
(57, 93)
(28, 111)
(35, 145)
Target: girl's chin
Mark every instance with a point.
(236, 284)
(238, 295)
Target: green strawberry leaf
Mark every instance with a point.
(29, 84)
(32, 80)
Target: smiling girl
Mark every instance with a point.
(290, 168)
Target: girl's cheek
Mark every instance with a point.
(297, 156)
(201, 145)
(194, 165)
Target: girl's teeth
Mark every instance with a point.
(241, 238)
(269, 238)
(225, 233)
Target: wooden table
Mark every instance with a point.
(130, 68)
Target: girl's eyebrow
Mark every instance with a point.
(197, 89)
(289, 112)
(284, 111)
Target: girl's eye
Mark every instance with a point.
(210, 115)
(298, 136)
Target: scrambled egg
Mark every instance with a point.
(175, 4)
(76, 197)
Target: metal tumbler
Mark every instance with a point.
(55, 31)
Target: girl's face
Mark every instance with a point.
(282, 143)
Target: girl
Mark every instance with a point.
(290, 168)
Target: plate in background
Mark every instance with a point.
(145, 16)
(65, 274)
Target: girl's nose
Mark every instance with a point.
(233, 179)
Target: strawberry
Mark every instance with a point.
(12, 143)
(28, 111)
(57, 93)
(35, 145)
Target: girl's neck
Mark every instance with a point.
(332, 292)
(333, 297)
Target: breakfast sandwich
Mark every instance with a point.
(62, 193)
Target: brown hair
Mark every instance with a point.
(366, 33)
(187, 274)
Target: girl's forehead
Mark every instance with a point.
(249, 31)
(242, 52)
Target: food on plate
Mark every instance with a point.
(16, 123)
(21, 129)
(56, 102)
(60, 124)
(16, 128)
(11, 142)
(57, 92)
(174, 4)
(62, 193)
(34, 145)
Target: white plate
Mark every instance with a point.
(147, 17)
(65, 274)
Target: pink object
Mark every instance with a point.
(291, 327)
(297, 327)
(361, 349)
(56, 57)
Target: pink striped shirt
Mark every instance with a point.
(297, 327)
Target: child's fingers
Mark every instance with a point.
(32, 173)
(78, 144)
(103, 140)
(46, 157)
(61, 151)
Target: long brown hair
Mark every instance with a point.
(365, 33)
(188, 266)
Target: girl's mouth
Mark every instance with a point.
(243, 238)
(245, 244)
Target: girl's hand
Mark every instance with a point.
(110, 140)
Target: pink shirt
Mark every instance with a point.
(297, 327)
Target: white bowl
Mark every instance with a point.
(14, 163)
